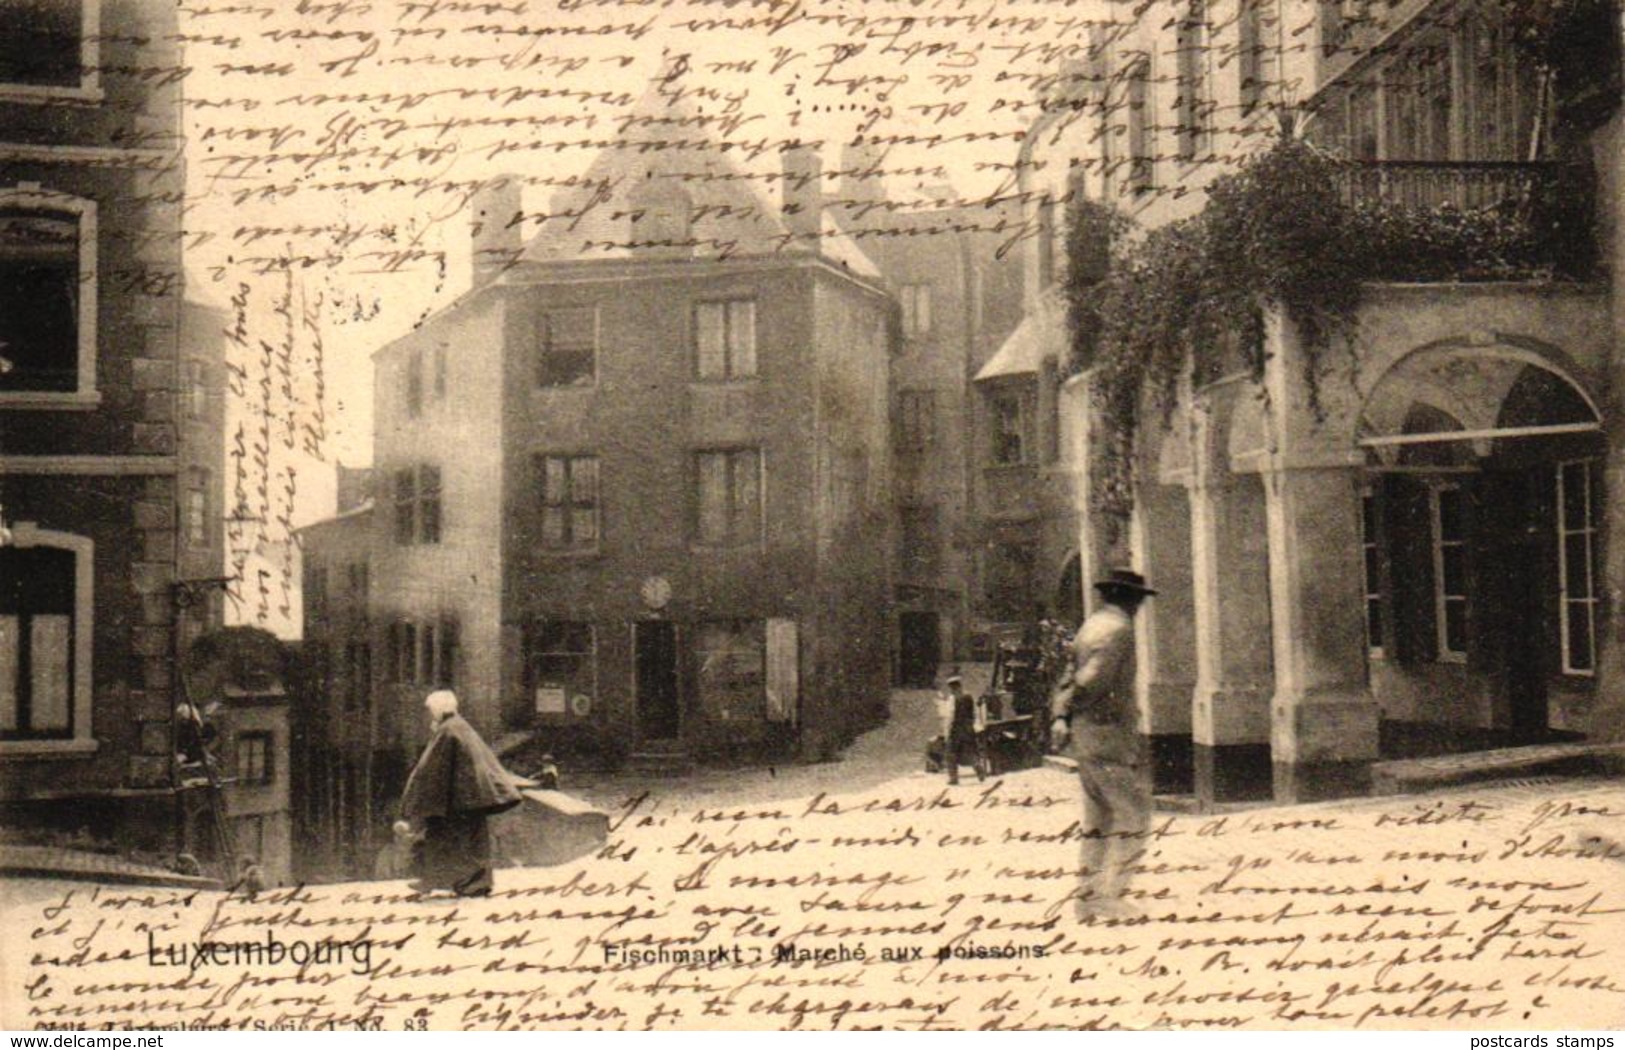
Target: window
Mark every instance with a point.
(46, 629)
(1334, 27)
(47, 314)
(425, 670)
(1418, 103)
(916, 420)
(1370, 545)
(731, 677)
(916, 302)
(1139, 131)
(1362, 122)
(1450, 572)
(417, 505)
(36, 622)
(197, 389)
(439, 357)
(1192, 104)
(255, 764)
(414, 382)
(567, 347)
(197, 508)
(47, 48)
(568, 494)
(445, 670)
(424, 653)
(725, 339)
(428, 504)
(730, 496)
(1579, 516)
(560, 667)
(1009, 426)
(1252, 53)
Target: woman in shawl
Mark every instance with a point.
(456, 785)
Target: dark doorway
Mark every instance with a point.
(1513, 579)
(655, 656)
(919, 646)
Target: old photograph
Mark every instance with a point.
(812, 514)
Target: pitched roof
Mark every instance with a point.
(1042, 333)
(666, 145)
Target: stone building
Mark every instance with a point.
(1405, 552)
(102, 474)
(671, 536)
(1026, 466)
(346, 760)
(958, 299)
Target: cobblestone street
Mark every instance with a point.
(865, 892)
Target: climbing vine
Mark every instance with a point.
(1283, 229)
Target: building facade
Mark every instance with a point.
(1026, 470)
(347, 762)
(672, 538)
(958, 297)
(1403, 552)
(106, 461)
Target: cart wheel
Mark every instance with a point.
(984, 764)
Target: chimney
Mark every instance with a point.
(861, 179)
(495, 212)
(803, 194)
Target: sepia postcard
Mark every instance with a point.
(812, 514)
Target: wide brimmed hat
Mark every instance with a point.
(1124, 580)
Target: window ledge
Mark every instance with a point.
(48, 748)
(569, 553)
(742, 547)
(50, 93)
(51, 400)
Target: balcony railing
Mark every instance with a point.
(1468, 185)
(1499, 217)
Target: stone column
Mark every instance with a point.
(1230, 712)
(1166, 639)
(1323, 725)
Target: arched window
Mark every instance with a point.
(47, 299)
(46, 619)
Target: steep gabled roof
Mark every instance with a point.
(1042, 333)
(668, 146)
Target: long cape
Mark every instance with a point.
(457, 775)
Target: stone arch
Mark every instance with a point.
(1471, 382)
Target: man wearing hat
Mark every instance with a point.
(958, 711)
(1096, 723)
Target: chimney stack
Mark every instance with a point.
(803, 194)
(495, 211)
(861, 179)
